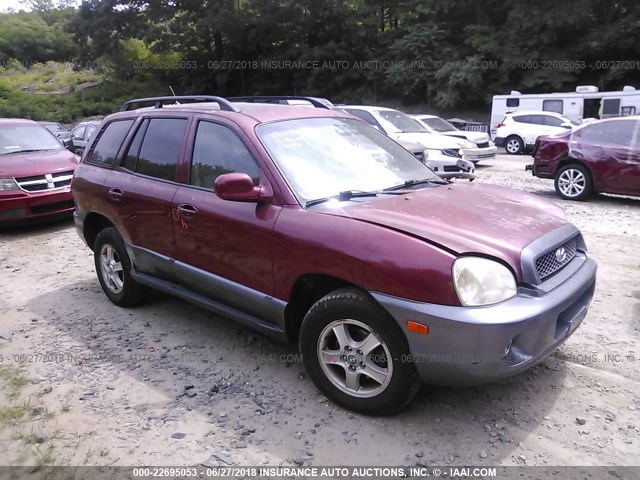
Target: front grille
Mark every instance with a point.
(554, 260)
(451, 168)
(52, 207)
(483, 145)
(40, 183)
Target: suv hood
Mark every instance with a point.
(429, 140)
(465, 218)
(29, 164)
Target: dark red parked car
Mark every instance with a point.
(35, 173)
(312, 226)
(599, 157)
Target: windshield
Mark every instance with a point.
(437, 124)
(399, 122)
(20, 138)
(321, 157)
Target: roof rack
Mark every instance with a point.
(315, 101)
(159, 101)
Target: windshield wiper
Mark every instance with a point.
(343, 196)
(30, 150)
(414, 182)
(347, 195)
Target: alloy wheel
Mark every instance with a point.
(111, 269)
(354, 358)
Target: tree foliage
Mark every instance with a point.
(444, 53)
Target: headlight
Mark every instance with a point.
(466, 144)
(480, 281)
(425, 155)
(492, 143)
(8, 184)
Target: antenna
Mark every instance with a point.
(174, 94)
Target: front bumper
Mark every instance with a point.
(450, 167)
(477, 154)
(475, 345)
(17, 206)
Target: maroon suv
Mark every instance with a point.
(599, 157)
(35, 173)
(310, 225)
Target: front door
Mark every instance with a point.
(223, 248)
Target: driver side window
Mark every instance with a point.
(218, 150)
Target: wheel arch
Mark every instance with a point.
(307, 290)
(92, 225)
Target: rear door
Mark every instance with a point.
(141, 190)
(224, 248)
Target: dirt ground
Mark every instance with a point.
(84, 382)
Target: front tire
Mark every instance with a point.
(514, 145)
(573, 182)
(113, 267)
(357, 355)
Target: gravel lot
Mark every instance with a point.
(87, 383)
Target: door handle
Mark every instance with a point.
(187, 211)
(115, 194)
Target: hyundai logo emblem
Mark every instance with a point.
(561, 255)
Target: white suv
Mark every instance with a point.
(445, 154)
(518, 131)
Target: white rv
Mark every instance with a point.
(585, 102)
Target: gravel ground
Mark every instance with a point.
(84, 382)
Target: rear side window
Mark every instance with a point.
(523, 118)
(106, 148)
(155, 149)
(623, 133)
(217, 150)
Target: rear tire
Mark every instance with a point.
(574, 182)
(113, 268)
(357, 355)
(514, 145)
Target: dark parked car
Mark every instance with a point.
(35, 173)
(81, 134)
(312, 226)
(599, 157)
(57, 129)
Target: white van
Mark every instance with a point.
(586, 102)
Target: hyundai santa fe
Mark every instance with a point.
(309, 225)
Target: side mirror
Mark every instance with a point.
(67, 142)
(566, 125)
(238, 187)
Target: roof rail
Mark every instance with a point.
(315, 101)
(159, 101)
